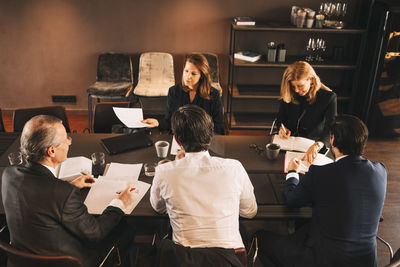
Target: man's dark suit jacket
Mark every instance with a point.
(47, 216)
(347, 198)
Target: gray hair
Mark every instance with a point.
(37, 136)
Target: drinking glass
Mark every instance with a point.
(98, 163)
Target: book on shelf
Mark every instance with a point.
(244, 21)
(293, 143)
(304, 166)
(247, 56)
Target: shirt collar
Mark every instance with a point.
(197, 154)
(53, 171)
(339, 158)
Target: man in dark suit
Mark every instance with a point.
(46, 215)
(347, 199)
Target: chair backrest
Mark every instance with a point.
(17, 258)
(2, 128)
(104, 116)
(21, 116)
(156, 74)
(113, 67)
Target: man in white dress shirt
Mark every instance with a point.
(203, 195)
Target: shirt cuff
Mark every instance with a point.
(117, 203)
(292, 175)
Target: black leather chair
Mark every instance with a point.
(104, 116)
(17, 258)
(114, 81)
(2, 128)
(21, 116)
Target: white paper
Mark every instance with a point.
(131, 117)
(101, 193)
(73, 167)
(319, 161)
(175, 147)
(124, 170)
(104, 190)
(293, 143)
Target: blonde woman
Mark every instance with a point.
(307, 107)
(195, 89)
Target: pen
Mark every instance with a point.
(130, 190)
(283, 128)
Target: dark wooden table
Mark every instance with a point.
(266, 175)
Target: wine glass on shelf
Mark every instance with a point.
(310, 48)
(320, 48)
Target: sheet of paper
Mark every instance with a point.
(121, 170)
(73, 167)
(320, 160)
(293, 143)
(174, 147)
(104, 190)
(101, 193)
(131, 117)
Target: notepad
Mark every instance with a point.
(293, 143)
(304, 166)
(73, 167)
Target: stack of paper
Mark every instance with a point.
(116, 179)
(319, 161)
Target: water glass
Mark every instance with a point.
(15, 158)
(98, 163)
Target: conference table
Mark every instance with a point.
(266, 175)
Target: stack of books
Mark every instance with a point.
(244, 21)
(247, 56)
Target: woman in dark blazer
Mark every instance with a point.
(195, 89)
(307, 107)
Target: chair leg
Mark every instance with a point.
(90, 113)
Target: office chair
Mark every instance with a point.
(104, 116)
(114, 80)
(17, 258)
(214, 70)
(21, 116)
(156, 76)
(2, 128)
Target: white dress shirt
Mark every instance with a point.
(204, 197)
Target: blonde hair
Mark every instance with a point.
(201, 63)
(300, 70)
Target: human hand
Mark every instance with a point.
(127, 196)
(180, 154)
(83, 181)
(294, 165)
(284, 132)
(311, 155)
(152, 123)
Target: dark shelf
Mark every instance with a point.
(261, 121)
(291, 28)
(262, 63)
(250, 91)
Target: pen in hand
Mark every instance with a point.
(284, 128)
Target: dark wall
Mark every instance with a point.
(50, 47)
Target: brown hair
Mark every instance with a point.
(201, 63)
(300, 70)
(193, 128)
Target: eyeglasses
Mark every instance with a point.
(258, 149)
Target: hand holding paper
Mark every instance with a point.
(131, 117)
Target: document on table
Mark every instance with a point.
(131, 171)
(319, 161)
(131, 117)
(74, 167)
(104, 190)
(296, 143)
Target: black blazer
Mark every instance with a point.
(347, 199)
(178, 98)
(311, 121)
(47, 216)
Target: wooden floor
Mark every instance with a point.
(385, 151)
